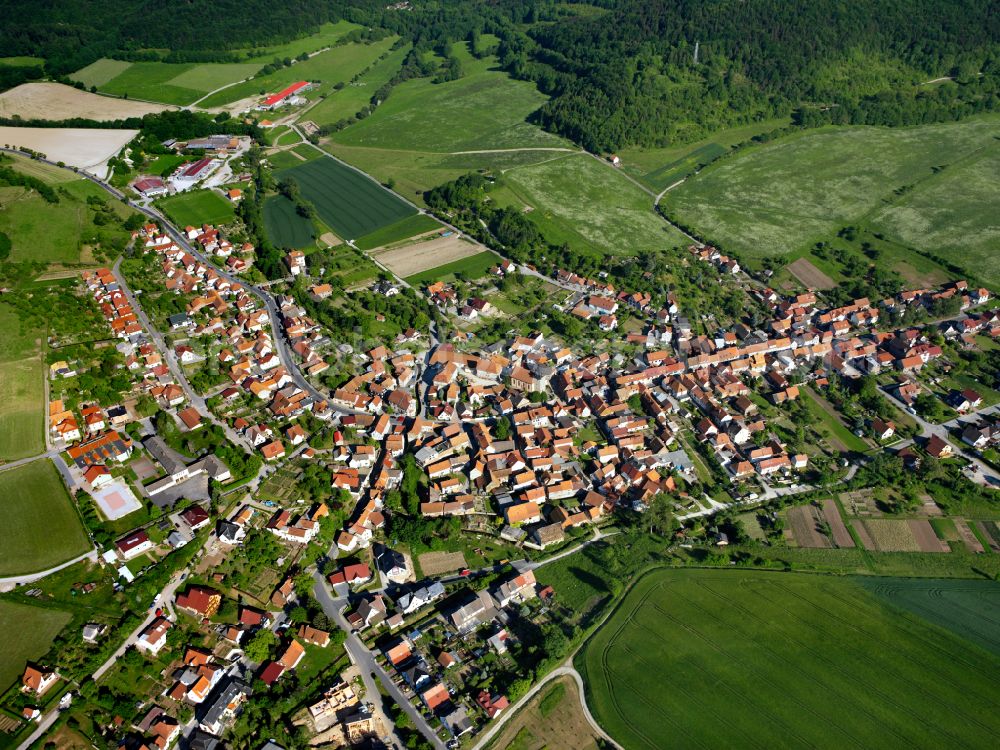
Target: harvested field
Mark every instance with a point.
(893, 535)
(841, 536)
(866, 539)
(808, 274)
(88, 149)
(437, 563)
(56, 101)
(926, 539)
(805, 523)
(967, 537)
(422, 256)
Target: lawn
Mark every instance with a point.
(346, 200)
(589, 205)
(473, 267)
(28, 634)
(338, 64)
(484, 109)
(837, 428)
(401, 230)
(786, 195)
(285, 227)
(349, 100)
(22, 399)
(37, 508)
(787, 659)
(197, 207)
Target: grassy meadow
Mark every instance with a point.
(37, 506)
(591, 206)
(184, 83)
(401, 230)
(786, 195)
(28, 634)
(345, 200)
(22, 397)
(340, 63)
(484, 109)
(347, 101)
(473, 267)
(787, 659)
(197, 207)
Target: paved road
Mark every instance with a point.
(32, 577)
(365, 661)
(22, 461)
(171, 361)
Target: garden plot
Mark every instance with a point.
(438, 563)
(410, 260)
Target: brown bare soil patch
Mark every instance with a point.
(563, 727)
(841, 536)
(866, 539)
(56, 101)
(808, 274)
(85, 148)
(927, 540)
(422, 256)
(436, 563)
(968, 538)
(330, 239)
(805, 520)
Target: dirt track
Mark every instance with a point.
(56, 101)
(412, 259)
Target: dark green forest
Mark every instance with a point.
(619, 72)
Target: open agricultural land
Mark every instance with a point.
(800, 659)
(285, 226)
(57, 101)
(28, 634)
(401, 230)
(337, 65)
(577, 200)
(58, 233)
(86, 148)
(347, 101)
(553, 719)
(184, 83)
(22, 401)
(37, 504)
(427, 133)
(348, 202)
(197, 207)
(783, 197)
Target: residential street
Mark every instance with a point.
(365, 661)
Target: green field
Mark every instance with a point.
(589, 205)
(484, 109)
(22, 398)
(786, 195)
(28, 634)
(184, 83)
(197, 207)
(345, 200)
(474, 267)
(349, 100)
(703, 658)
(401, 230)
(51, 232)
(41, 527)
(337, 64)
(285, 228)
(283, 159)
(659, 168)
(837, 429)
(21, 61)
